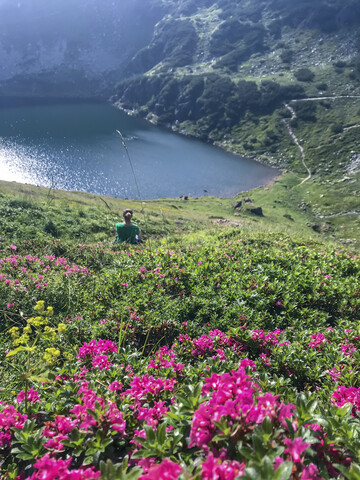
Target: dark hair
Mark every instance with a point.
(127, 212)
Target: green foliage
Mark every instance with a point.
(304, 75)
(171, 294)
(287, 56)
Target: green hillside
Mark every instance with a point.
(218, 348)
(241, 74)
(227, 344)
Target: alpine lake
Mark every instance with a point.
(74, 145)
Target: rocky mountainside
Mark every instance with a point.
(273, 79)
(212, 62)
(70, 48)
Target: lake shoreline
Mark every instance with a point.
(186, 165)
(173, 128)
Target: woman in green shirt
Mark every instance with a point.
(127, 232)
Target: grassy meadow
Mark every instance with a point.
(224, 346)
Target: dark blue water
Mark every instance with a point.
(74, 146)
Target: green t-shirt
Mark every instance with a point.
(127, 233)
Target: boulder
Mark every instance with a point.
(256, 211)
(314, 226)
(237, 204)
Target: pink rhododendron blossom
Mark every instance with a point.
(5, 439)
(99, 347)
(265, 359)
(10, 417)
(236, 397)
(334, 374)
(115, 386)
(166, 470)
(246, 362)
(205, 343)
(101, 362)
(318, 340)
(348, 349)
(315, 427)
(277, 462)
(266, 340)
(165, 358)
(153, 415)
(295, 448)
(109, 411)
(343, 395)
(32, 396)
(310, 472)
(141, 387)
(215, 469)
(49, 468)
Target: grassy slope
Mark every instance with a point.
(85, 217)
(188, 278)
(331, 190)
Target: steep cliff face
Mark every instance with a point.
(84, 47)
(71, 47)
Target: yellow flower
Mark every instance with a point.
(27, 329)
(39, 307)
(21, 340)
(38, 321)
(49, 311)
(51, 355)
(61, 327)
(50, 333)
(14, 332)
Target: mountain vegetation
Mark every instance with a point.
(226, 345)
(237, 65)
(205, 353)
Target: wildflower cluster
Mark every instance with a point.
(217, 361)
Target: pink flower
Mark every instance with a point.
(166, 470)
(153, 415)
(101, 362)
(318, 340)
(215, 469)
(94, 348)
(235, 397)
(295, 448)
(265, 359)
(310, 473)
(13, 247)
(32, 396)
(343, 395)
(5, 439)
(277, 462)
(52, 469)
(115, 386)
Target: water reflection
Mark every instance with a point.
(76, 147)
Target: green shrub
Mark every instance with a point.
(304, 75)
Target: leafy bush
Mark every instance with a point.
(306, 111)
(337, 128)
(236, 354)
(304, 75)
(287, 56)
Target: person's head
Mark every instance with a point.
(127, 214)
